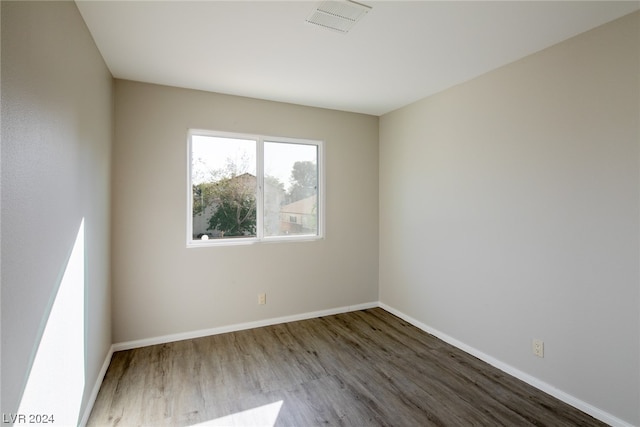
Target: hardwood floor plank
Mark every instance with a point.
(364, 368)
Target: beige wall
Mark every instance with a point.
(509, 208)
(160, 287)
(56, 141)
(518, 195)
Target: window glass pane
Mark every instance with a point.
(290, 189)
(223, 179)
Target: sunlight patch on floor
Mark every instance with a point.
(262, 416)
(56, 381)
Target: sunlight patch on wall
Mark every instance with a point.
(263, 416)
(56, 382)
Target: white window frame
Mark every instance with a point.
(260, 237)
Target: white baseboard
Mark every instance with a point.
(96, 388)
(238, 327)
(202, 333)
(535, 382)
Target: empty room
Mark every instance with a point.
(305, 213)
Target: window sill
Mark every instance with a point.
(251, 241)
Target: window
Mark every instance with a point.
(247, 188)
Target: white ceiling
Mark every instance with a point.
(399, 53)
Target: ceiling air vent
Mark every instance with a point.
(339, 16)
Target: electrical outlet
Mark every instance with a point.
(538, 348)
(262, 299)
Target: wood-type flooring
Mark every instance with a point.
(363, 368)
